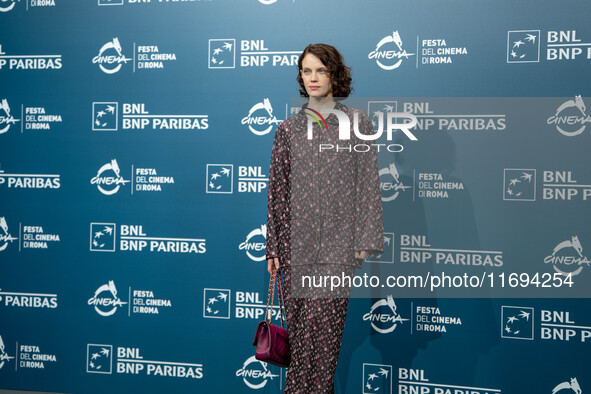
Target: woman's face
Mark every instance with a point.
(316, 77)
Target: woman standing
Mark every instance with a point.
(324, 215)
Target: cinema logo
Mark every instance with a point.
(260, 118)
(5, 237)
(132, 238)
(29, 62)
(220, 179)
(572, 384)
(30, 3)
(416, 249)
(108, 179)
(256, 374)
(30, 181)
(389, 52)
(252, 245)
(567, 257)
(31, 357)
(571, 118)
(517, 322)
(417, 381)
(105, 300)
(28, 300)
(249, 305)
(6, 118)
(222, 53)
(110, 58)
(130, 361)
(383, 316)
(4, 357)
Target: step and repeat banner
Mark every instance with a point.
(135, 141)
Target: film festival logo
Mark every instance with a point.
(110, 58)
(377, 378)
(389, 52)
(519, 184)
(523, 46)
(5, 236)
(570, 117)
(568, 255)
(383, 316)
(4, 357)
(222, 53)
(571, 384)
(256, 374)
(219, 178)
(102, 237)
(260, 118)
(105, 300)
(99, 358)
(6, 118)
(105, 116)
(250, 244)
(9, 7)
(388, 255)
(517, 322)
(391, 184)
(216, 303)
(108, 179)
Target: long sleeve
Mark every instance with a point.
(369, 230)
(278, 195)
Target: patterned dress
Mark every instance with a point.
(323, 205)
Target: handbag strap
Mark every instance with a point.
(271, 297)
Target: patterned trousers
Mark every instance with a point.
(315, 329)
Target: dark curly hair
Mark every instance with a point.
(340, 75)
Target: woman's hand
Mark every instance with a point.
(362, 255)
(272, 264)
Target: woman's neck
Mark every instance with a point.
(321, 103)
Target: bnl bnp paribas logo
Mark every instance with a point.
(136, 116)
(557, 185)
(523, 46)
(29, 62)
(390, 52)
(133, 238)
(110, 57)
(571, 118)
(219, 178)
(253, 53)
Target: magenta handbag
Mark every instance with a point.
(272, 345)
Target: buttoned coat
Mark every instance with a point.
(324, 200)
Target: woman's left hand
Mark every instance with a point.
(362, 255)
